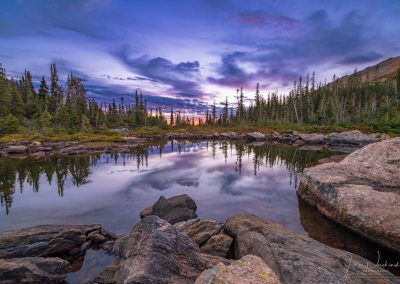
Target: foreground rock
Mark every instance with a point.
(296, 258)
(175, 209)
(247, 270)
(208, 235)
(362, 192)
(155, 252)
(68, 242)
(33, 270)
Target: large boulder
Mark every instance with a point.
(255, 136)
(296, 258)
(313, 138)
(175, 209)
(354, 137)
(35, 270)
(155, 252)
(248, 270)
(67, 242)
(362, 192)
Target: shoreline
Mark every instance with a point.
(346, 142)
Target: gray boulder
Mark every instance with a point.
(296, 258)
(175, 209)
(362, 192)
(16, 150)
(35, 270)
(313, 138)
(155, 252)
(354, 137)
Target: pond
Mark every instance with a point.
(223, 178)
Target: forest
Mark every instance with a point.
(345, 102)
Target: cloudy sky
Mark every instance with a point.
(187, 53)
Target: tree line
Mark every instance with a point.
(343, 102)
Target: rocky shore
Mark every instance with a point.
(347, 141)
(244, 249)
(361, 192)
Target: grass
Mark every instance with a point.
(108, 136)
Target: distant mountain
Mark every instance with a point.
(382, 71)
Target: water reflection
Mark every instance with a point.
(15, 174)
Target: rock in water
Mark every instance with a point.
(313, 138)
(248, 270)
(362, 192)
(50, 240)
(296, 258)
(175, 209)
(156, 252)
(354, 137)
(33, 270)
(255, 136)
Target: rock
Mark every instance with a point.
(175, 209)
(332, 159)
(255, 136)
(33, 270)
(16, 150)
(362, 192)
(248, 270)
(296, 258)
(134, 140)
(298, 143)
(74, 150)
(146, 212)
(45, 241)
(156, 252)
(354, 137)
(35, 144)
(200, 231)
(38, 155)
(287, 138)
(218, 245)
(313, 138)
(213, 260)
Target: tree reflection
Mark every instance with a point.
(14, 173)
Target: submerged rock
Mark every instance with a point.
(175, 209)
(247, 270)
(362, 192)
(155, 252)
(35, 270)
(296, 258)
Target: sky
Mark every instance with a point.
(189, 53)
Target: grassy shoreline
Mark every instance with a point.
(110, 136)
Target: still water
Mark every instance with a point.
(111, 189)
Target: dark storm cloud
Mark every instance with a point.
(182, 77)
(361, 58)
